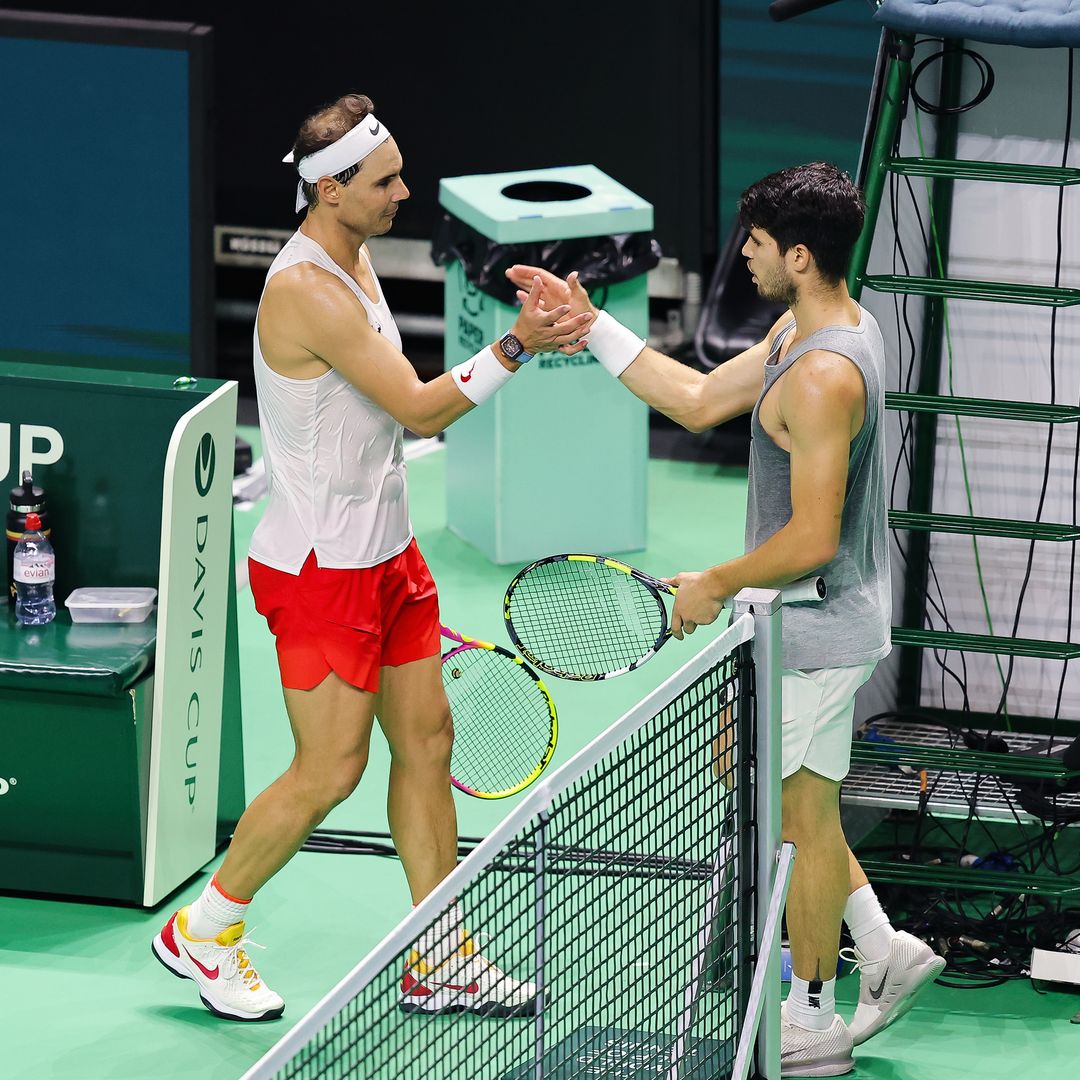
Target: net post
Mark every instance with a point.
(758, 992)
(765, 607)
(541, 910)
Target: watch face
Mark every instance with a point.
(510, 346)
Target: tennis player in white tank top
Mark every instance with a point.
(336, 571)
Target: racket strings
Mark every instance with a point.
(584, 617)
(502, 720)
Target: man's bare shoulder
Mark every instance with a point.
(305, 314)
(821, 371)
(824, 363)
(306, 303)
(304, 281)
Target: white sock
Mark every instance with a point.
(443, 938)
(812, 1004)
(214, 911)
(868, 923)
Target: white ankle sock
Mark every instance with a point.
(868, 923)
(443, 938)
(812, 1004)
(214, 911)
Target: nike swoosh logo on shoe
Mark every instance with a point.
(411, 985)
(875, 994)
(205, 970)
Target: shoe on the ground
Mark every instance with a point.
(229, 985)
(814, 1053)
(466, 982)
(888, 987)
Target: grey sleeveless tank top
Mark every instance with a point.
(852, 625)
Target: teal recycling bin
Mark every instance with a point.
(557, 460)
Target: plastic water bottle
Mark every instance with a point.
(25, 498)
(35, 572)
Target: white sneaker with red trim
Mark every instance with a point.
(228, 983)
(466, 982)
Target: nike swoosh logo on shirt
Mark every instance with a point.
(875, 994)
(205, 970)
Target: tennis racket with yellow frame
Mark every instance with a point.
(587, 617)
(505, 723)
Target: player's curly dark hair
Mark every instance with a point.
(327, 126)
(817, 205)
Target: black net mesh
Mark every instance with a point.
(583, 618)
(618, 919)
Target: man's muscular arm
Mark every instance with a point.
(311, 322)
(696, 400)
(821, 402)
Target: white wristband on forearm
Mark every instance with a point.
(613, 344)
(481, 376)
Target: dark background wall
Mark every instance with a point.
(465, 88)
(684, 102)
(791, 92)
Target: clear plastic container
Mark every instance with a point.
(110, 605)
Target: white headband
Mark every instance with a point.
(350, 149)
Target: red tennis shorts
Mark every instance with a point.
(351, 622)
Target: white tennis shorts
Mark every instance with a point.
(818, 715)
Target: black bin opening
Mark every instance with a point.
(545, 191)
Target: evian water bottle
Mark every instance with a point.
(34, 572)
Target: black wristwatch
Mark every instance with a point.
(512, 348)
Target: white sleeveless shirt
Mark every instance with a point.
(333, 458)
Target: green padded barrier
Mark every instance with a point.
(101, 659)
(77, 701)
(111, 430)
(72, 824)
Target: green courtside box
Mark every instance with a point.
(556, 461)
(121, 754)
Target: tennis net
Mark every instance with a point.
(619, 896)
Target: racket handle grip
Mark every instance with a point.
(806, 589)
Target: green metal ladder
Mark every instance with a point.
(927, 403)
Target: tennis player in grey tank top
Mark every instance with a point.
(851, 626)
(816, 504)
